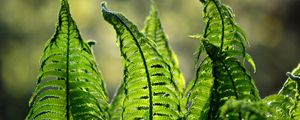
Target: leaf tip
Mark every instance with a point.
(64, 3)
(91, 42)
(153, 4)
(294, 77)
(251, 62)
(104, 5)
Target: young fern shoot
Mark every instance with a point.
(69, 84)
(153, 30)
(149, 88)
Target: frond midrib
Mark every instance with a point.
(67, 72)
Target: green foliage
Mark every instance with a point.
(225, 76)
(154, 31)
(157, 41)
(199, 92)
(286, 102)
(249, 111)
(70, 85)
(150, 89)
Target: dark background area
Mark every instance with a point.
(272, 27)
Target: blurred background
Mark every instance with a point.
(272, 27)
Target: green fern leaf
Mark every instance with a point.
(150, 90)
(198, 93)
(197, 97)
(286, 102)
(231, 80)
(154, 31)
(250, 111)
(224, 43)
(117, 106)
(282, 104)
(222, 30)
(290, 87)
(69, 84)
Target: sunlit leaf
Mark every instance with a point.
(69, 84)
(149, 86)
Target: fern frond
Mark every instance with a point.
(69, 84)
(150, 89)
(223, 32)
(250, 111)
(231, 80)
(286, 102)
(224, 43)
(116, 108)
(290, 87)
(154, 31)
(282, 104)
(199, 91)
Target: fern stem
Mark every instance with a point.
(67, 74)
(67, 63)
(206, 29)
(124, 88)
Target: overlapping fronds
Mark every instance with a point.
(231, 80)
(154, 31)
(223, 32)
(224, 43)
(69, 84)
(250, 111)
(286, 102)
(149, 88)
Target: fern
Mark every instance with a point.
(223, 32)
(154, 31)
(283, 105)
(150, 89)
(224, 43)
(198, 93)
(117, 106)
(286, 102)
(231, 80)
(250, 111)
(69, 84)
